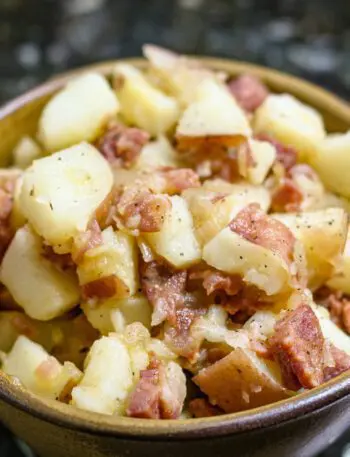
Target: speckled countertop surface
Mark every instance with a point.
(309, 38)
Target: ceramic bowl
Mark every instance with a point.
(298, 427)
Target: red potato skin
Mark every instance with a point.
(235, 383)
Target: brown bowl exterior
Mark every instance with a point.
(297, 427)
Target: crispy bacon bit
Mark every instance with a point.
(156, 395)
(337, 304)
(286, 155)
(287, 197)
(122, 145)
(104, 288)
(298, 346)
(180, 179)
(89, 239)
(249, 92)
(255, 226)
(200, 407)
(144, 400)
(179, 337)
(165, 290)
(142, 210)
(214, 280)
(341, 364)
(208, 146)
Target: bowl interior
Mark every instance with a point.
(20, 117)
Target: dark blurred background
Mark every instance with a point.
(309, 38)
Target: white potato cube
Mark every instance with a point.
(37, 285)
(25, 152)
(132, 309)
(77, 113)
(157, 154)
(176, 241)
(213, 113)
(60, 193)
(331, 331)
(107, 377)
(178, 75)
(331, 160)
(255, 159)
(212, 211)
(323, 235)
(142, 104)
(291, 122)
(39, 372)
(231, 253)
(116, 258)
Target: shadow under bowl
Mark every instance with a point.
(297, 427)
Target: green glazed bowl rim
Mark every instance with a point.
(140, 429)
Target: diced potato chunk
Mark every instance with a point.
(77, 113)
(116, 258)
(39, 372)
(231, 253)
(255, 160)
(341, 277)
(178, 75)
(142, 104)
(323, 234)
(241, 381)
(330, 161)
(212, 210)
(25, 152)
(113, 315)
(60, 193)
(213, 113)
(331, 331)
(157, 154)
(38, 286)
(176, 241)
(291, 122)
(107, 377)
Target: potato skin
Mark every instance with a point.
(240, 381)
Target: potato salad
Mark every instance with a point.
(174, 244)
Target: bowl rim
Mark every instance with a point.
(140, 429)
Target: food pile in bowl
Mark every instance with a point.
(174, 244)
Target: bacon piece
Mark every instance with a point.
(341, 364)
(178, 336)
(144, 400)
(89, 239)
(287, 197)
(165, 290)
(122, 145)
(214, 280)
(106, 287)
(257, 227)
(298, 345)
(286, 155)
(142, 210)
(337, 304)
(249, 92)
(157, 395)
(200, 407)
(180, 179)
